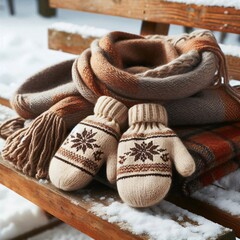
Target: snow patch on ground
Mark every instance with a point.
(24, 42)
(219, 3)
(22, 55)
(224, 194)
(61, 232)
(85, 31)
(157, 221)
(18, 215)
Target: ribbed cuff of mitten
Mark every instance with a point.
(112, 109)
(147, 112)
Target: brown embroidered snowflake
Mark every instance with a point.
(122, 159)
(67, 140)
(98, 155)
(165, 157)
(144, 151)
(83, 141)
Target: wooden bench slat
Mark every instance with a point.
(67, 42)
(5, 102)
(208, 211)
(191, 15)
(75, 44)
(198, 207)
(61, 205)
(233, 64)
(74, 208)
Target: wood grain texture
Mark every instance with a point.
(67, 42)
(191, 15)
(4, 102)
(233, 67)
(124, 8)
(75, 44)
(208, 211)
(75, 208)
(68, 207)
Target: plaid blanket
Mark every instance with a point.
(215, 149)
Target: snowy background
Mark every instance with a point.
(23, 39)
(23, 51)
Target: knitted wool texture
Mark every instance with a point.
(145, 154)
(44, 89)
(216, 152)
(92, 142)
(30, 148)
(175, 71)
(135, 69)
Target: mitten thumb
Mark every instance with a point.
(182, 159)
(111, 166)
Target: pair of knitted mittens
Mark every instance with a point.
(140, 160)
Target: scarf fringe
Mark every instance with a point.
(30, 149)
(10, 126)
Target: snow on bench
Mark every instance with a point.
(84, 30)
(105, 203)
(216, 3)
(72, 38)
(98, 212)
(224, 194)
(114, 211)
(217, 17)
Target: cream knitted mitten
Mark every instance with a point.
(92, 142)
(145, 154)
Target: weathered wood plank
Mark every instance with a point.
(124, 8)
(75, 44)
(4, 102)
(61, 205)
(75, 208)
(68, 42)
(198, 207)
(208, 211)
(191, 15)
(233, 67)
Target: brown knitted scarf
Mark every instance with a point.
(134, 69)
(178, 72)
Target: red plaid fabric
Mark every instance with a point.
(215, 149)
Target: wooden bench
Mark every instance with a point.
(82, 209)
(76, 208)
